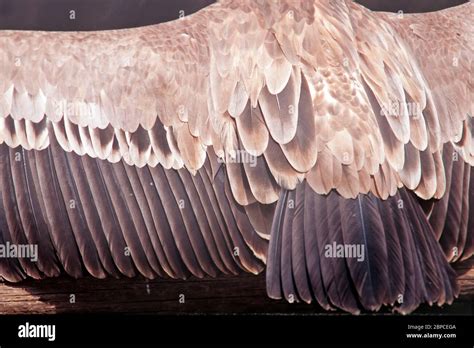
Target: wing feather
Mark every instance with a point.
(262, 82)
(348, 100)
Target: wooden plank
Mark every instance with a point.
(241, 294)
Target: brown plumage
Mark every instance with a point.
(251, 133)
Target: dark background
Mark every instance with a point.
(113, 14)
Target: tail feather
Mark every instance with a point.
(313, 260)
(395, 268)
(335, 270)
(362, 226)
(451, 217)
(274, 288)
(360, 254)
(298, 248)
(468, 250)
(288, 281)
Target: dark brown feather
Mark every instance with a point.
(191, 226)
(298, 252)
(452, 223)
(173, 258)
(437, 217)
(10, 268)
(273, 271)
(143, 221)
(30, 213)
(462, 237)
(395, 268)
(469, 244)
(313, 216)
(362, 225)
(223, 238)
(287, 279)
(239, 248)
(335, 273)
(74, 211)
(58, 223)
(19, 231)
(107, 215)
(91, 214)
(222, 254)
(438, 283)
(410, 292)
(202, 218)
(175, 220)
(114, 181)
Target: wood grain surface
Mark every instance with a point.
(243, 294)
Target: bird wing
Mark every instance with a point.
(94, 135)
(329, 92)
(442, 44)
(259, 95)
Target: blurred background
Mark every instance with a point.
(115, 14)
